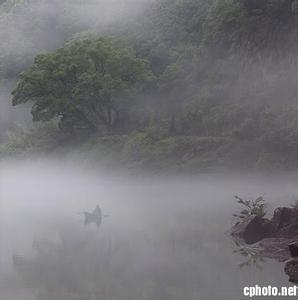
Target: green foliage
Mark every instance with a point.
(40, 137)
(204, 82)
(154, 149)
(255, 207)
(89, 83)
(224, 25)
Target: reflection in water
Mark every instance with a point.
(255, 255)
(253, 258)
(68, 269)
(85, 265)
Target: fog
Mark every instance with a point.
(161, 239)
(45, 25)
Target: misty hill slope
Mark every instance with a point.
(222, 91)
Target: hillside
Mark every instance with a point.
(182, 84)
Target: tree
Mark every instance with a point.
(175, 82)
(88, 83)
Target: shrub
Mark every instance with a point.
(255, 207)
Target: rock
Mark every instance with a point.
(285, 222)
(253, 229)
(276, 238)
(293, 248)
(239, 227)
(282, 216)
(275, 248)
(291, 266)
(291, 269)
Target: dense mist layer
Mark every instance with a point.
(163, 239)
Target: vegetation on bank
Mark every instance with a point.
(189, 84)
(253, 208)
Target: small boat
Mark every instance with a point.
(93, 217)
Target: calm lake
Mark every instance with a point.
(161, 239)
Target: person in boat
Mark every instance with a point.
(93, 217)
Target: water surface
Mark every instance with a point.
(164, 237)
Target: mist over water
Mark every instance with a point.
(163, 239)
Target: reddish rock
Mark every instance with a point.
(253, 229)
(291, 269)
(285, 222)
(276, 238)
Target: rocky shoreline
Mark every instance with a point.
(275, 238)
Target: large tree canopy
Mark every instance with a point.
(89, 83)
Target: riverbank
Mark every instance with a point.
(150, 151)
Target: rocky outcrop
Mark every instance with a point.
(284, 224)
(291, 269)
(275, 238)
(253, 229)
(291, 266)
